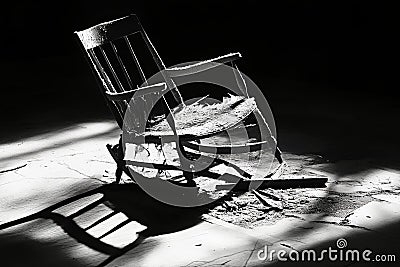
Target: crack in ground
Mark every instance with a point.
(13, 168)
(229, 255)
(341, 223)
(251, 253)
(75, 170)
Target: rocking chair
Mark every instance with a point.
(102, 45)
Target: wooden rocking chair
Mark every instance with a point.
(102, 45)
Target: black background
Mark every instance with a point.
(324, 66)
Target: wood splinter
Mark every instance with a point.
(268, 202)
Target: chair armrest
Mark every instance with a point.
(127, 95)
(202, 66)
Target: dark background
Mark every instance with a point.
(324, 66)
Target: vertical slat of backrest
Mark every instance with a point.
(107, 84)
(104, 82)
(127, 107)
(97, 36)
(122, 65)
(135, 59)
(122, 105)
(104, 34)
(146, 102)
(110, 67)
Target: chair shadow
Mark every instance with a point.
(128, 199)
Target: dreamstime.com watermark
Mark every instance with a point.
(338, 253)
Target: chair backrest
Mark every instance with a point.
(110, 50)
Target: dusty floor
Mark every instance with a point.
(55, 179)
(43, 166)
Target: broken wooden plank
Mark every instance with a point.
(271, 196)
(247, 184)
(275, 205)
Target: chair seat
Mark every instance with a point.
(204, 120)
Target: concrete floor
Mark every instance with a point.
(60, 172)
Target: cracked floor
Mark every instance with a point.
(361, 206)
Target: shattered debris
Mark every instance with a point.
(268, 202)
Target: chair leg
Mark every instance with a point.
(118, 156)
(184, 157)
(118, 175)
(189, 176)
